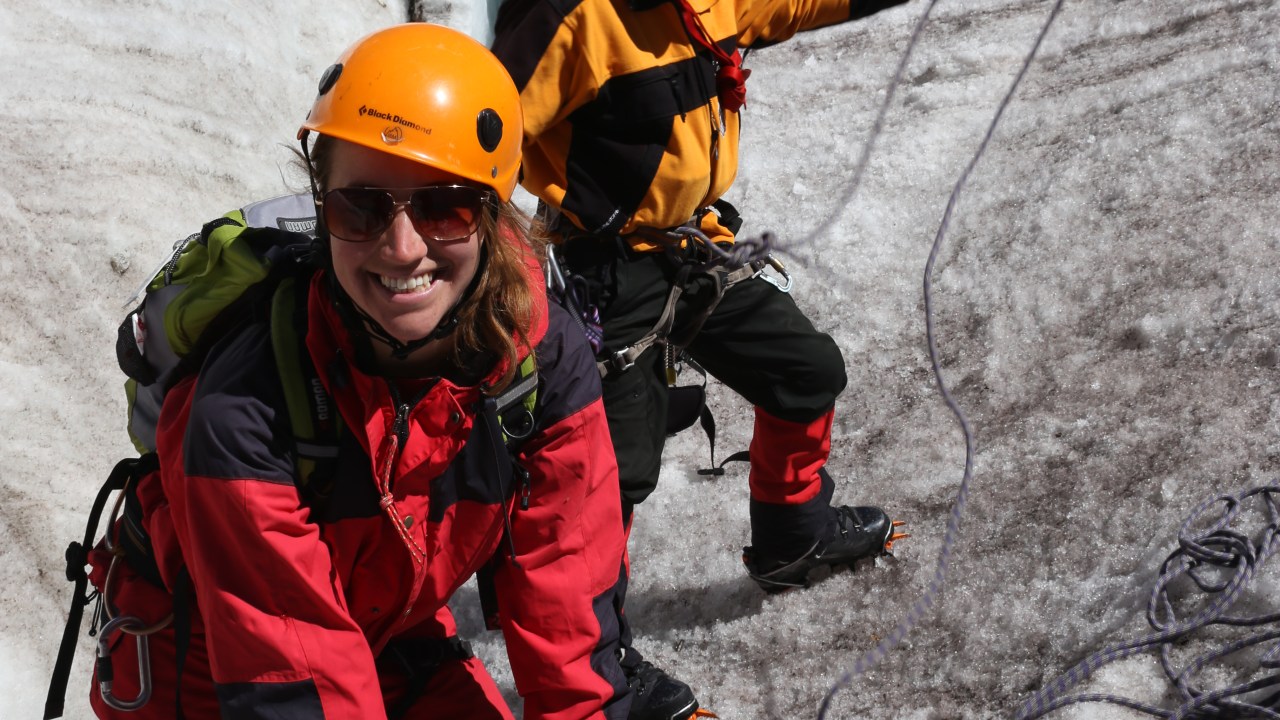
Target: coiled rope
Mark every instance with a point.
(1218, 549)
(1205, 557)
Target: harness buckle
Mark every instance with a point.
(620, 362)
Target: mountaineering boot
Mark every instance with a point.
(655, 694)
(857, 533)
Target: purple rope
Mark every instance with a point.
(927, 599)
(1196, 550)
(743, 251)
(877, 127)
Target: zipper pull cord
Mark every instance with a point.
(389, 453)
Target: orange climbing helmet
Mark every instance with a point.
(426, 93)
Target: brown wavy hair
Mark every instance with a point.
(497, 320)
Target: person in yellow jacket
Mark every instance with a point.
(631, 111)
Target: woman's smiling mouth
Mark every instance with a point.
(417, 283)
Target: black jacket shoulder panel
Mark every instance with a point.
(523, 30)
(568, 379)
(238, 428)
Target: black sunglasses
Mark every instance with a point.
(440, 212)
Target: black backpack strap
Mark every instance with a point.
(516, 409)
(708, 422)
(77, 558)
(687, 404)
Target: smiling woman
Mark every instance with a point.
(409, 272)
(327, 598)
(410, 276)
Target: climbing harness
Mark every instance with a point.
(695, 254)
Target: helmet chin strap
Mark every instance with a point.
(364, 326)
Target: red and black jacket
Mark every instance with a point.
(295, 598)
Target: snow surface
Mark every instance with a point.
(1108, 310)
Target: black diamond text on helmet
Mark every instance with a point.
(366, 111)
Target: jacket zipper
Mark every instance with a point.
(526, 488)
(399, 436)
(400, 425)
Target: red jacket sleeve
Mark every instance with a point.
(556, 599)
(556, 608)
(279, 638)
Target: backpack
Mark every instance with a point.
(248, 264)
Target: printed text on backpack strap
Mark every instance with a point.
(313, 416)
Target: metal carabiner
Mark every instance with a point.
(555, 275)
(106, 674)
(783, 284)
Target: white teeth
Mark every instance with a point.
(404, 285)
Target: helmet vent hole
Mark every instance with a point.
(489, 129)
(330, 78)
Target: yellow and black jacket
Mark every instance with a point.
(623, 128)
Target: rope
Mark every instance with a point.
(741, 253)
(1202, 557)
(846, 198)
(1219, 549)
(927, 599)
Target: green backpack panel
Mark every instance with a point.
(222, 266)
